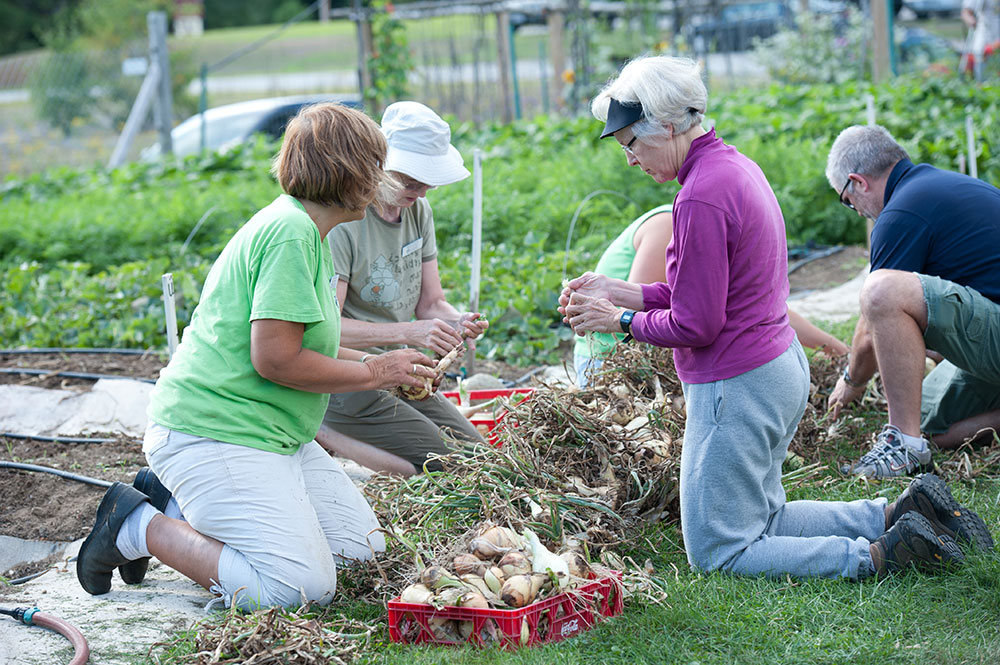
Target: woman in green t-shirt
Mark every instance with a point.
(243, 500)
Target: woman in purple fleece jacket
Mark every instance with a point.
(722, 309)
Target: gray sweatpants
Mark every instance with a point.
(733, 511)
(409, 429)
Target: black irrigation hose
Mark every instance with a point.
(68, 375)
(57, 472)
(55, 439)
(815, 255)
(124, 352)
(27, 578)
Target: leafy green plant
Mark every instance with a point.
(390, 62)
(822, 48)
(60, 92)
(71, 241)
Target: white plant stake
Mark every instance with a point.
(970, 137)
(167, 282)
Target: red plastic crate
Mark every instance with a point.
(550, 620)
(486, 422)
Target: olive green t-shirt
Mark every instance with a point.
(275, 267)
(382, 263)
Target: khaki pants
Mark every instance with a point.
(409, 429)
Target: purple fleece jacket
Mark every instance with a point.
(722, 308)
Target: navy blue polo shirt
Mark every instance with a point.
(940, 223)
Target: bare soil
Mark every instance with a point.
(43, 506)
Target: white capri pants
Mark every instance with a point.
(286, 520)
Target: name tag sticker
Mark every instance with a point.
(412, 246)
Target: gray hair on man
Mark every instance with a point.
(669, 89)
(867, 150)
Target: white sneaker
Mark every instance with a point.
(889, 458)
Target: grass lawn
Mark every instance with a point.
(676, 615)
(909, 618)
(314, 46)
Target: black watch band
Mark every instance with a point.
(625, 321)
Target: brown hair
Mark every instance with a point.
(331, 155)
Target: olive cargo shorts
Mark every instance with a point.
(963, 326)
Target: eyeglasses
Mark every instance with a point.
(847, 204)
(628, 147)
(412, 185)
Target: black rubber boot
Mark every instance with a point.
(98, 555)
(134, 572)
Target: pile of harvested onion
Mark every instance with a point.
(501, 570)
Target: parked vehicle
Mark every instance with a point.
(927, 8)
(921, 51)
(736, 26)
(232, 124)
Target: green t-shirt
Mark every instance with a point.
(382, 263)
(616, 261)
(275, 267)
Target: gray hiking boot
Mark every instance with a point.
(889, 458)
(930, 496)
(912, 542)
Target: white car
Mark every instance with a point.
(232, 124)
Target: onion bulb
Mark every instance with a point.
(514, 563)
(436, 577)
(417, 593)
(517, 591)
(576, 563)
(486, 550)
(468, 564)
(493, 580)
(479, 584)
(543, 561)
(444, 630)
(475, 600)
(502, 537)
(449, 597)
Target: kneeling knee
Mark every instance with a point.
(885, 291)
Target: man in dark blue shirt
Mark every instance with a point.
(934, 287)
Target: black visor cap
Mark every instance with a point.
(621, 116)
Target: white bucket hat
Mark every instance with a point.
(420, 145)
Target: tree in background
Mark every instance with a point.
(82, 80)
(20, 21)
(390, 62)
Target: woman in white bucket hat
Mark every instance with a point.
(390, 295)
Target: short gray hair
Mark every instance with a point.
(670, 90)
(867, 150)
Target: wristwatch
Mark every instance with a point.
(846, 376)
(626, 323)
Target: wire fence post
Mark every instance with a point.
(556, 23)
(163, 112)
(505, 62)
